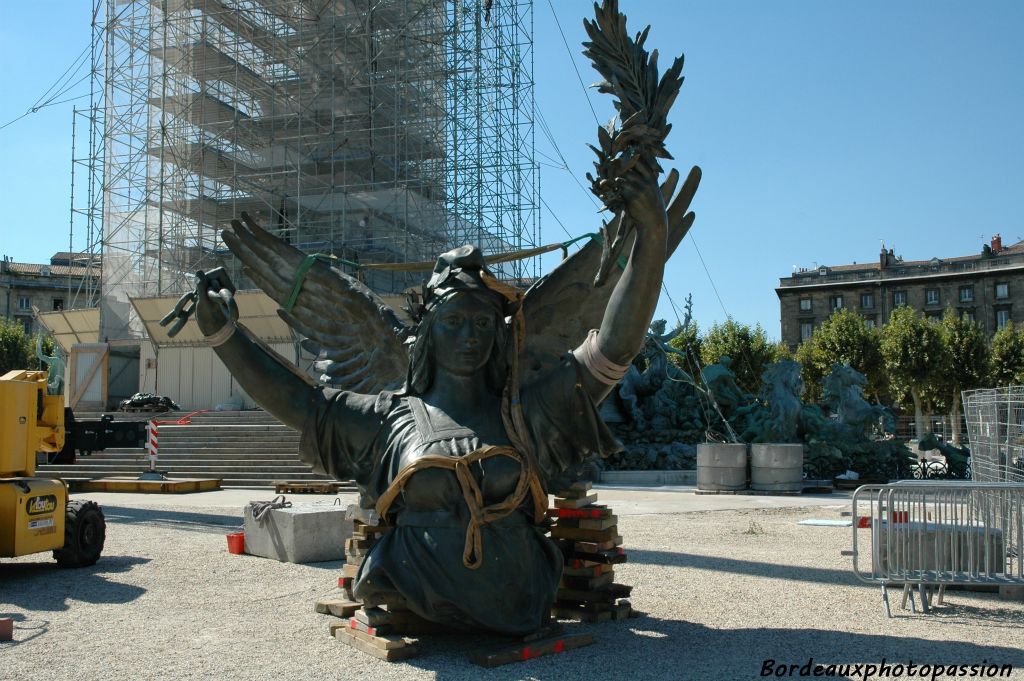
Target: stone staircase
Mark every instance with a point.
(242, 448)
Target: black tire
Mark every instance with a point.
(85, 530)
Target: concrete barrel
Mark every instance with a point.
(721, 466)
(777, 467)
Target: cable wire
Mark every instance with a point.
(586, 92)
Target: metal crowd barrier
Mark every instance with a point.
(938, 534)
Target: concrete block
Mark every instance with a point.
(304, 533)
(1011, 593)
(938, 546)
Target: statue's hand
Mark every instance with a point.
(643, 199)
(213, 303)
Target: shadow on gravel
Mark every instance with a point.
(24, 629)
(44, 586)
(650, 648)
(187, 521)
(745, 567)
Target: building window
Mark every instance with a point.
(837, 303)
(966, 294)
(806, 330)
(26, 323)
(805, 304)
(58, 304)
(1002, 291)
(899, 298)
(24, 303)
(869, 322)
(934, 316)
(867, 301)
(931, 296)
(967, 315)
(1002, 318)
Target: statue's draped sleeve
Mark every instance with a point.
(563, 420)
(339, 433)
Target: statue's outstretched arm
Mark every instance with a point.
(632, 303)
(273, 382)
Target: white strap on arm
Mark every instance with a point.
(600, 367)
(215, 340)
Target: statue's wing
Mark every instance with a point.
(357, 337)
(562, 307)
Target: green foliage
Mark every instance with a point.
(689, 343)
(748, 347)
(968, 353)
(48, 344)
(1006, 363)
(17, 350)
(916, 358)
(782, 352)
(842, 338)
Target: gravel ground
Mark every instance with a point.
(721, 591)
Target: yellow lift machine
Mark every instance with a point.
(35, 513)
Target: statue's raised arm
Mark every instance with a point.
(625, 179)
(357, 337)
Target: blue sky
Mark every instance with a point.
(822, 128)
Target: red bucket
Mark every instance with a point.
(236, 542)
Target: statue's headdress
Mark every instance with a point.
(461, 270)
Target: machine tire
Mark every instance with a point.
(85, 530)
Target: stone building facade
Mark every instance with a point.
(987, 287)
(47, 287)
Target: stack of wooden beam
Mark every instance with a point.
(588, 535)
(382, 631)
(366, 531)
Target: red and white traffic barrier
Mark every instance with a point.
(153, 442)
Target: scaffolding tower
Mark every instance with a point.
(372, 130)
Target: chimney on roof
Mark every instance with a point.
(997, 243)
(887, 258)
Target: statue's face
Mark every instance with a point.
(463, 334)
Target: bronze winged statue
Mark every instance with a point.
(454, 427)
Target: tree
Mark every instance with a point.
(17, 350)
(915, 356)
(689, 343)
(1006, 363)
(968, 361)
(842, 338)
(748, 347)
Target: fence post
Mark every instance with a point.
(153, 443)
(152, 449)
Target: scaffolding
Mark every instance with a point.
(373, 130)
(995, 422)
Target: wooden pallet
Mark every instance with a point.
(306, 487)
(587, 534)
(169, 486)
(522, 651)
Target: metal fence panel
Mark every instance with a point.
(995, 426)
(925, 533)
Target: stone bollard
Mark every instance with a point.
(721, 466)
(777, 467)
